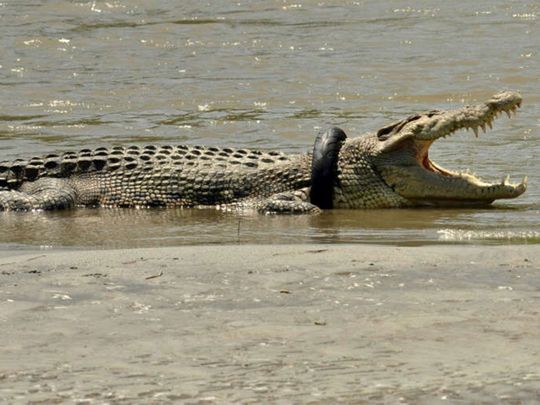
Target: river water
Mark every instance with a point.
(270, 75)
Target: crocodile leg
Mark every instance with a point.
(293, 202)
(42, 194)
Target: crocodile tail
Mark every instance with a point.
(324, 166)
(14, 173)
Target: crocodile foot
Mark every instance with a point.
(288, 203)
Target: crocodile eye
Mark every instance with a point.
(384, 133)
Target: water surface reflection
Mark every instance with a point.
(128, 228)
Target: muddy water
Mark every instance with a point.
(267, 74)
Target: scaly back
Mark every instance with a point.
(133, 159)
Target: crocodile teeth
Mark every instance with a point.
(475, 129)
(490, 123)
(483, 126)
(508, 113)
(525, 180)
(505, 180)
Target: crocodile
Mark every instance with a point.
(389, 168)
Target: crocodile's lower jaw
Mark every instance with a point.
(428, 184)
(450, 203)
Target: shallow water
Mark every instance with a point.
(267, 75)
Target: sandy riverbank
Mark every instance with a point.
(300, 323)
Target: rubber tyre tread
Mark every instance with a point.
(324, 166)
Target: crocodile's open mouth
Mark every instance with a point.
(426, 182)
(486, 192)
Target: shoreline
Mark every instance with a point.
(266, 323)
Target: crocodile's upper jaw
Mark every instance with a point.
(404, 164)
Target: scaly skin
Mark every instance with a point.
(389, 168)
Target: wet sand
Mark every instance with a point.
(256, 324)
